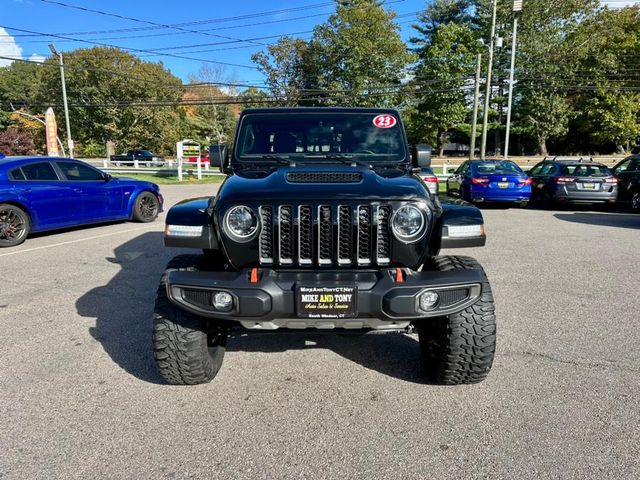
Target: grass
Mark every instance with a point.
(172, 179)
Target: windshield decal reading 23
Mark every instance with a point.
(385, 121)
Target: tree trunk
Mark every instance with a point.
(542, 147)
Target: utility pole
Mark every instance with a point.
(487, 98)
(52, 47)
(517, 7)
(476, 100)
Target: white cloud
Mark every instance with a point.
(8, 48)
(35, 57)
(619, 4)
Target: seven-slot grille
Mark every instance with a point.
(325, 235)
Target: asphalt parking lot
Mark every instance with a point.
(80, 397)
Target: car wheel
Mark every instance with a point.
(459, 348)
(147, 164)
(188, 350)
(635, 202)
(15, 225)
(117, 164)
(146, 207)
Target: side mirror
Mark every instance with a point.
(422, 155)
(107, 177)
(219, 154)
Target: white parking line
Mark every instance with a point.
(148, 227)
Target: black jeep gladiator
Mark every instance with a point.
(322, 224)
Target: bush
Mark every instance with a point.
(14, 141)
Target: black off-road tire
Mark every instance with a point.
(146, 207)
(459, 348)
(188, 349)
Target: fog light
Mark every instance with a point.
(222, 301)
(428, 300)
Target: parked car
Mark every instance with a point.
(430, 179)
(46, 193)
(204, 158)
(490, 181)
(628, 174)
(144, 157)
(312, 231)
(573, 181)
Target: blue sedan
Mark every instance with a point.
(45, 193)
(490, 181)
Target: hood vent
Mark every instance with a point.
(324, 177)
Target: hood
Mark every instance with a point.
(321, 183)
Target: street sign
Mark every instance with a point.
(517, 5)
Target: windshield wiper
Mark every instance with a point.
(280, 160)
(347, 159)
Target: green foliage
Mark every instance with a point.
(447, 55)
(285, 66)
(358, 54)
(101, 82)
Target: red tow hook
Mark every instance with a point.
(399, 275)
(253, 276)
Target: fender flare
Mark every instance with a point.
(193, 212)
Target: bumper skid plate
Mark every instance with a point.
(272, 302)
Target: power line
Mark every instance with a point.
(137, 20)
(130, 49)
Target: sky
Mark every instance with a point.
(224, 33)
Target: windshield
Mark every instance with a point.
(585, 170)
(500, 168)
(370, 136)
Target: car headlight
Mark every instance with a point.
(408, 224)
(241, 224)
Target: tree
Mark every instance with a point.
(102, 83)
(447, 47)
(357, 57)
(214, 120)
(285, 66)
(14, 141)
(609, 111)
(548, 60)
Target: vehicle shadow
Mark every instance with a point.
(629, 220)
(123, 308)
(74, 229)
(123, 312)
(393, 354)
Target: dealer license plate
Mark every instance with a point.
(589, 186)
(327, 302)
(503, 184)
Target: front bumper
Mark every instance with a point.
(270, 303)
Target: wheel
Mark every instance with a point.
(146, 207)
(118, 164)
(635, 202)
(523, 204)
(147, 164)
(188, 350)
(459, 348)
(15, 225)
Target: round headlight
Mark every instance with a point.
(241, 223)
(408, 224)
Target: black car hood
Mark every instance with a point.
(277, 186)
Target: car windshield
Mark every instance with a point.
(300, 136)
(146, 153)
(585, 170)
(500, 168)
